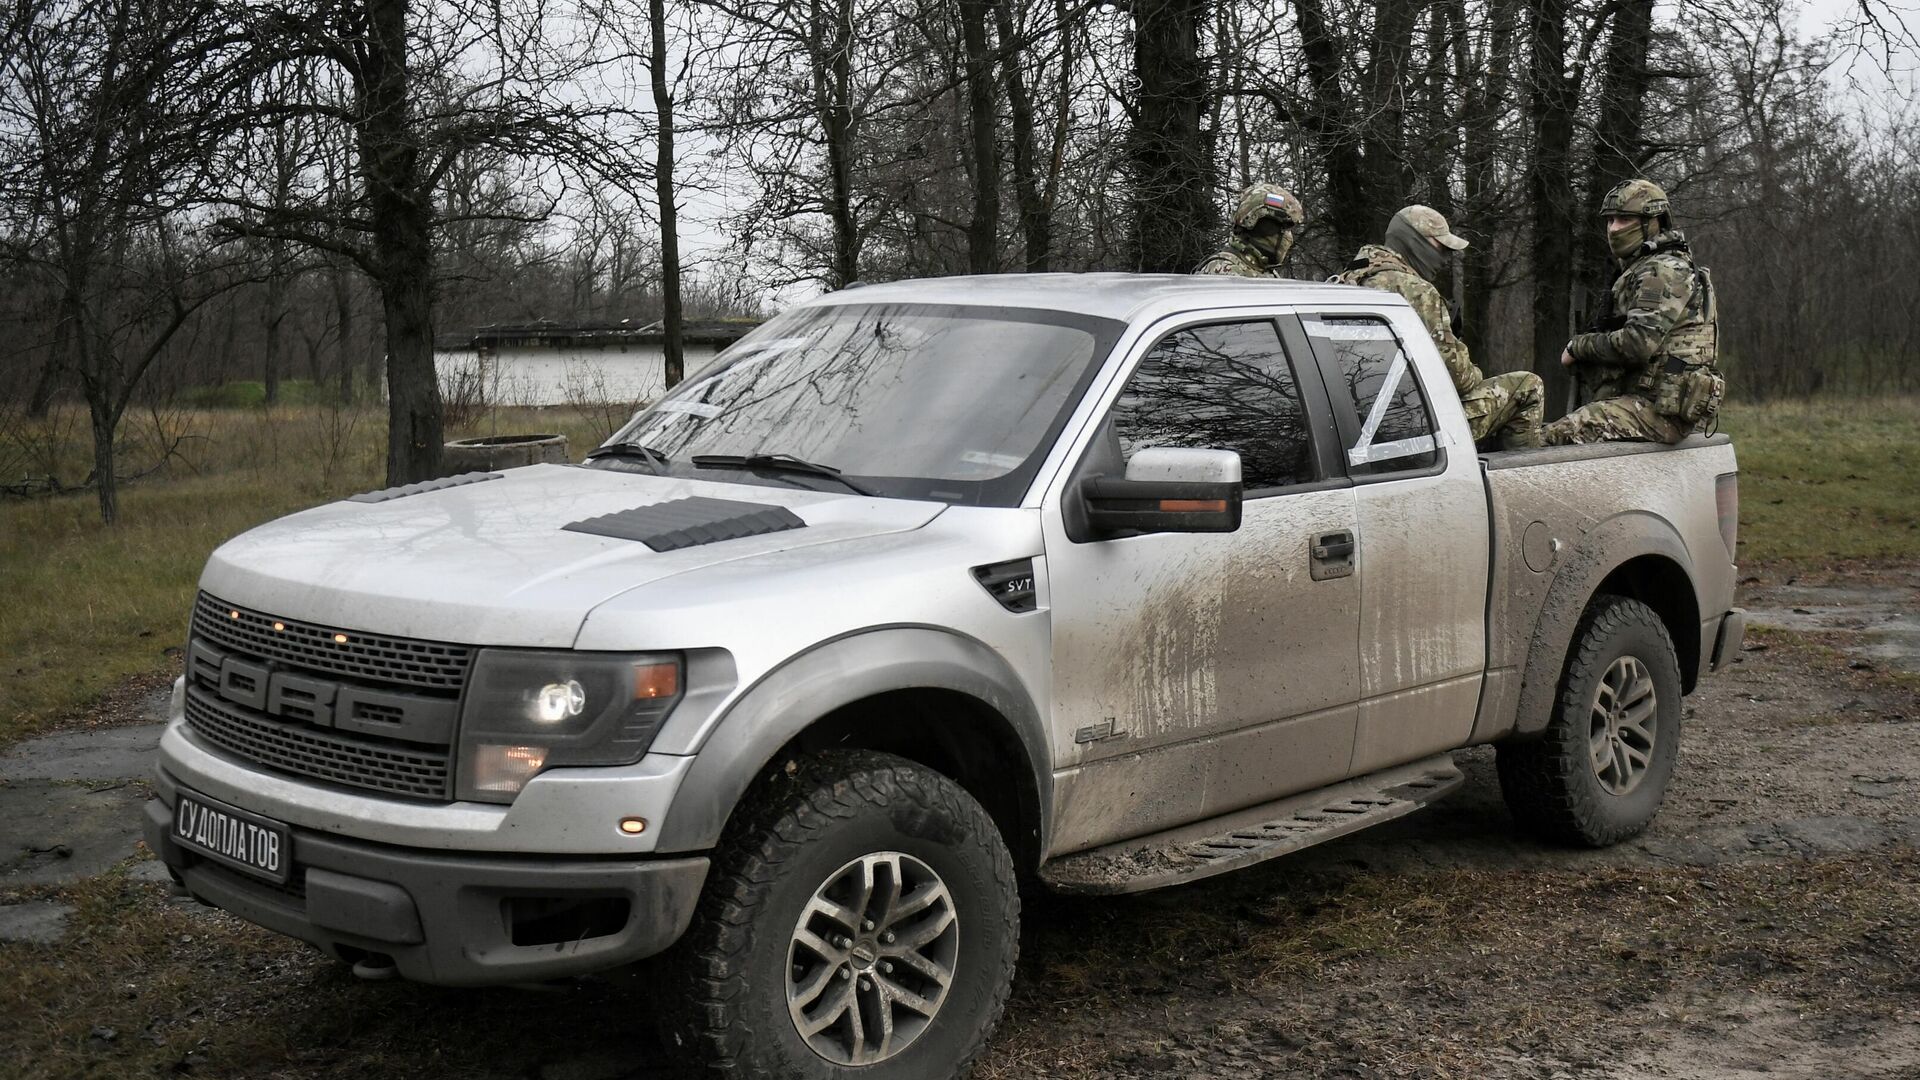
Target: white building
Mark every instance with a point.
(549, 363)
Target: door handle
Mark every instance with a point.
(1336, 545)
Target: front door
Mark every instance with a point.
(1199, 673)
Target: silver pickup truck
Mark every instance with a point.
(1105, 582)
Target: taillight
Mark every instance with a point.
(1726, 499)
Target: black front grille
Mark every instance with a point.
(421, 772)
(426, 665)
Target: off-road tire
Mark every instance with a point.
(727, 1007)
(1551, 785)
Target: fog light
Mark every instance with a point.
(559, 701)
(506, 769)
(633, 826)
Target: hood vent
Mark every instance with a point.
(424, 486)
(1011, 583)
(684, 523)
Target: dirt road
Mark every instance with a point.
(1767, 925)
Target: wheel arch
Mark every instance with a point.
(1638, 555)
(973, 721)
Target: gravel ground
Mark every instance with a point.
(1767, 925)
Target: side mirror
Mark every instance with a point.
(1166, 489)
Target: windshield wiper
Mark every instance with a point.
(776, 463)
(654, 458)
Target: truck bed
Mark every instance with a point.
(1568, 521)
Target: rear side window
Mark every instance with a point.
(1226, 386)
(1363, 358)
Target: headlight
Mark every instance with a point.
(527, 711)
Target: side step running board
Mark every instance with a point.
(1256, 834)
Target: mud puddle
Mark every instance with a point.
(1882, 621)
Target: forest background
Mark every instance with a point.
(197, 193)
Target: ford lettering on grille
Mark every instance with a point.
(267, 688)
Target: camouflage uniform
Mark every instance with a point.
(1244, 255)
(1650, 361)
(1512, 404)
(1239, 257)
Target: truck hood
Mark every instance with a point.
(490, 563)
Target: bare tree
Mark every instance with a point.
(1174, 213)
(99, 107)
(410, 92)
(675, 359)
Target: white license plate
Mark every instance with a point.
(241, 840)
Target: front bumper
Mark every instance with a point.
(451, 918)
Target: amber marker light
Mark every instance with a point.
(633, 826)
(1192, 506)
(341, 638)
(233, 614)
(279, 627)
(655, 681)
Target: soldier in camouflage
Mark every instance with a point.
(1509, 405)
(1650, 358)
(1265, 217)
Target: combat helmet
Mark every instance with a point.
(1262, 201)
(1264, 218)
(1637, 198)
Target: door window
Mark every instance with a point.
(1396, 432)
(1226, 386)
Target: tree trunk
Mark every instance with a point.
(1438, 143)
(1618, 147)
(272, 314)
(674, 363)
(44, 385)
(1550, 195)
(1174, 215)
(415, 432)
(227, 344)
(983, 227)
(1036, 221)
(1480, 126)
(400, 205)
(343, 321)
(100, 384)
(1349, 210)
(1384, 129)
(102, 421)
(833, 100)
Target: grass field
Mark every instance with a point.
(86, 607)
(1827, 481)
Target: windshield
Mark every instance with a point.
(911, 400)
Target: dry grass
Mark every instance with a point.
(1828, 480)
(88, 606)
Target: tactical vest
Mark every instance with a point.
(1683, 380)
